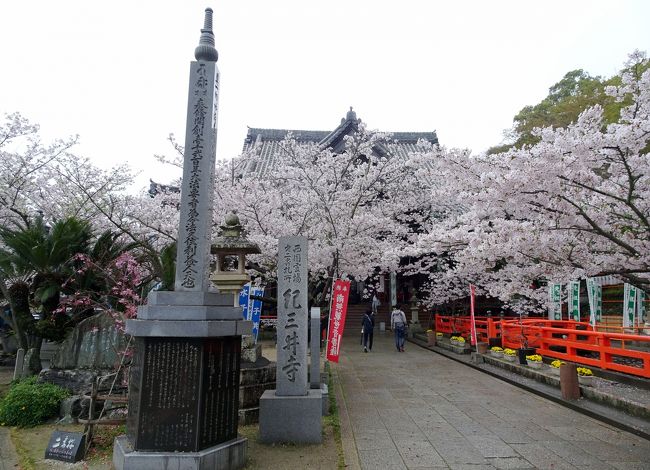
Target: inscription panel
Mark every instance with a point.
(184, 393)
(220, 390)
(169, 394)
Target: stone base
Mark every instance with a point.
(228, 455)
(291, 419)
(326, 399)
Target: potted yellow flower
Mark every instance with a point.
(534, 361)
(496, 351)
(555, 367)
(509, 354)
(585, 376)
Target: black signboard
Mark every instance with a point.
(184, 393)
(66, 446)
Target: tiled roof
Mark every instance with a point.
(267, 142)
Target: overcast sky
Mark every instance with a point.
(116, 72)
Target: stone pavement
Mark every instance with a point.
(418, 409)
(8, 457)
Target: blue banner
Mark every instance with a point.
(255, 309)
(243, 301)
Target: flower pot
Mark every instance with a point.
(554, 371)
(509, 358)
(497, 353)
(586, 380)
(535, 364)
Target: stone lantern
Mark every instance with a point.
(231, 248)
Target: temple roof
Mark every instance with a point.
(266, 142)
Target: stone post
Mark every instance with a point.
(184, 382)
(314, 364)
(291, 412)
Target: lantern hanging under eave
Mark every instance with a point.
(231, 248)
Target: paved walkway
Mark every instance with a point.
(418, 409)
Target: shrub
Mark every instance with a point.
(29, 403)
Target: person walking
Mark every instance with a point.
(398, 325)
(375, 303)
(368, 326)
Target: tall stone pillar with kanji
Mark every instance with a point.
(184, 381)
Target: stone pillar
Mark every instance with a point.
(314, 364)
(18, 367)
(184, 382)
(292, 412)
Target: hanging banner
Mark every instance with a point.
(555, 301)
(338, 309)
(599, 301)
(255, 309)
(573, 289)
(629, 305)
(472, 302)
(641, 313)
(595, 296)
(591, 296)
(244, 300)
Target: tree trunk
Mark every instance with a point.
(21, 317)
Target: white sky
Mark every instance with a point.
(116, 72)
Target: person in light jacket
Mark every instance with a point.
(398, 325)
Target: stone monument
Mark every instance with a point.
(292, 412)
(184, 383)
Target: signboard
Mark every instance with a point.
(338, 310)
(629, 305)
(574, 300)
(66, 446)
(555, 301)
(393, 289)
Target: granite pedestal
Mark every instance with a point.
(230, 454)
(294, 419)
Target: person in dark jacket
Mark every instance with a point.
(368, 324)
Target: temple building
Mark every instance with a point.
(265, 146)
(265, 143)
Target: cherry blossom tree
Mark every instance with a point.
(575, 204)
(358, 208)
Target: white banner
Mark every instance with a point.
(573, 289)
(641, 312)
(555, 301)
(629, 305)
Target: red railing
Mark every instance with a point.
(566, 340)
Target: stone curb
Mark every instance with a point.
(350, 454)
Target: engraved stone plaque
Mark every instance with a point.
(183, 395)
(291, 377)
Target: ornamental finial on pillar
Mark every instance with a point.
(205, 50)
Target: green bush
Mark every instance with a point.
(29, 403)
